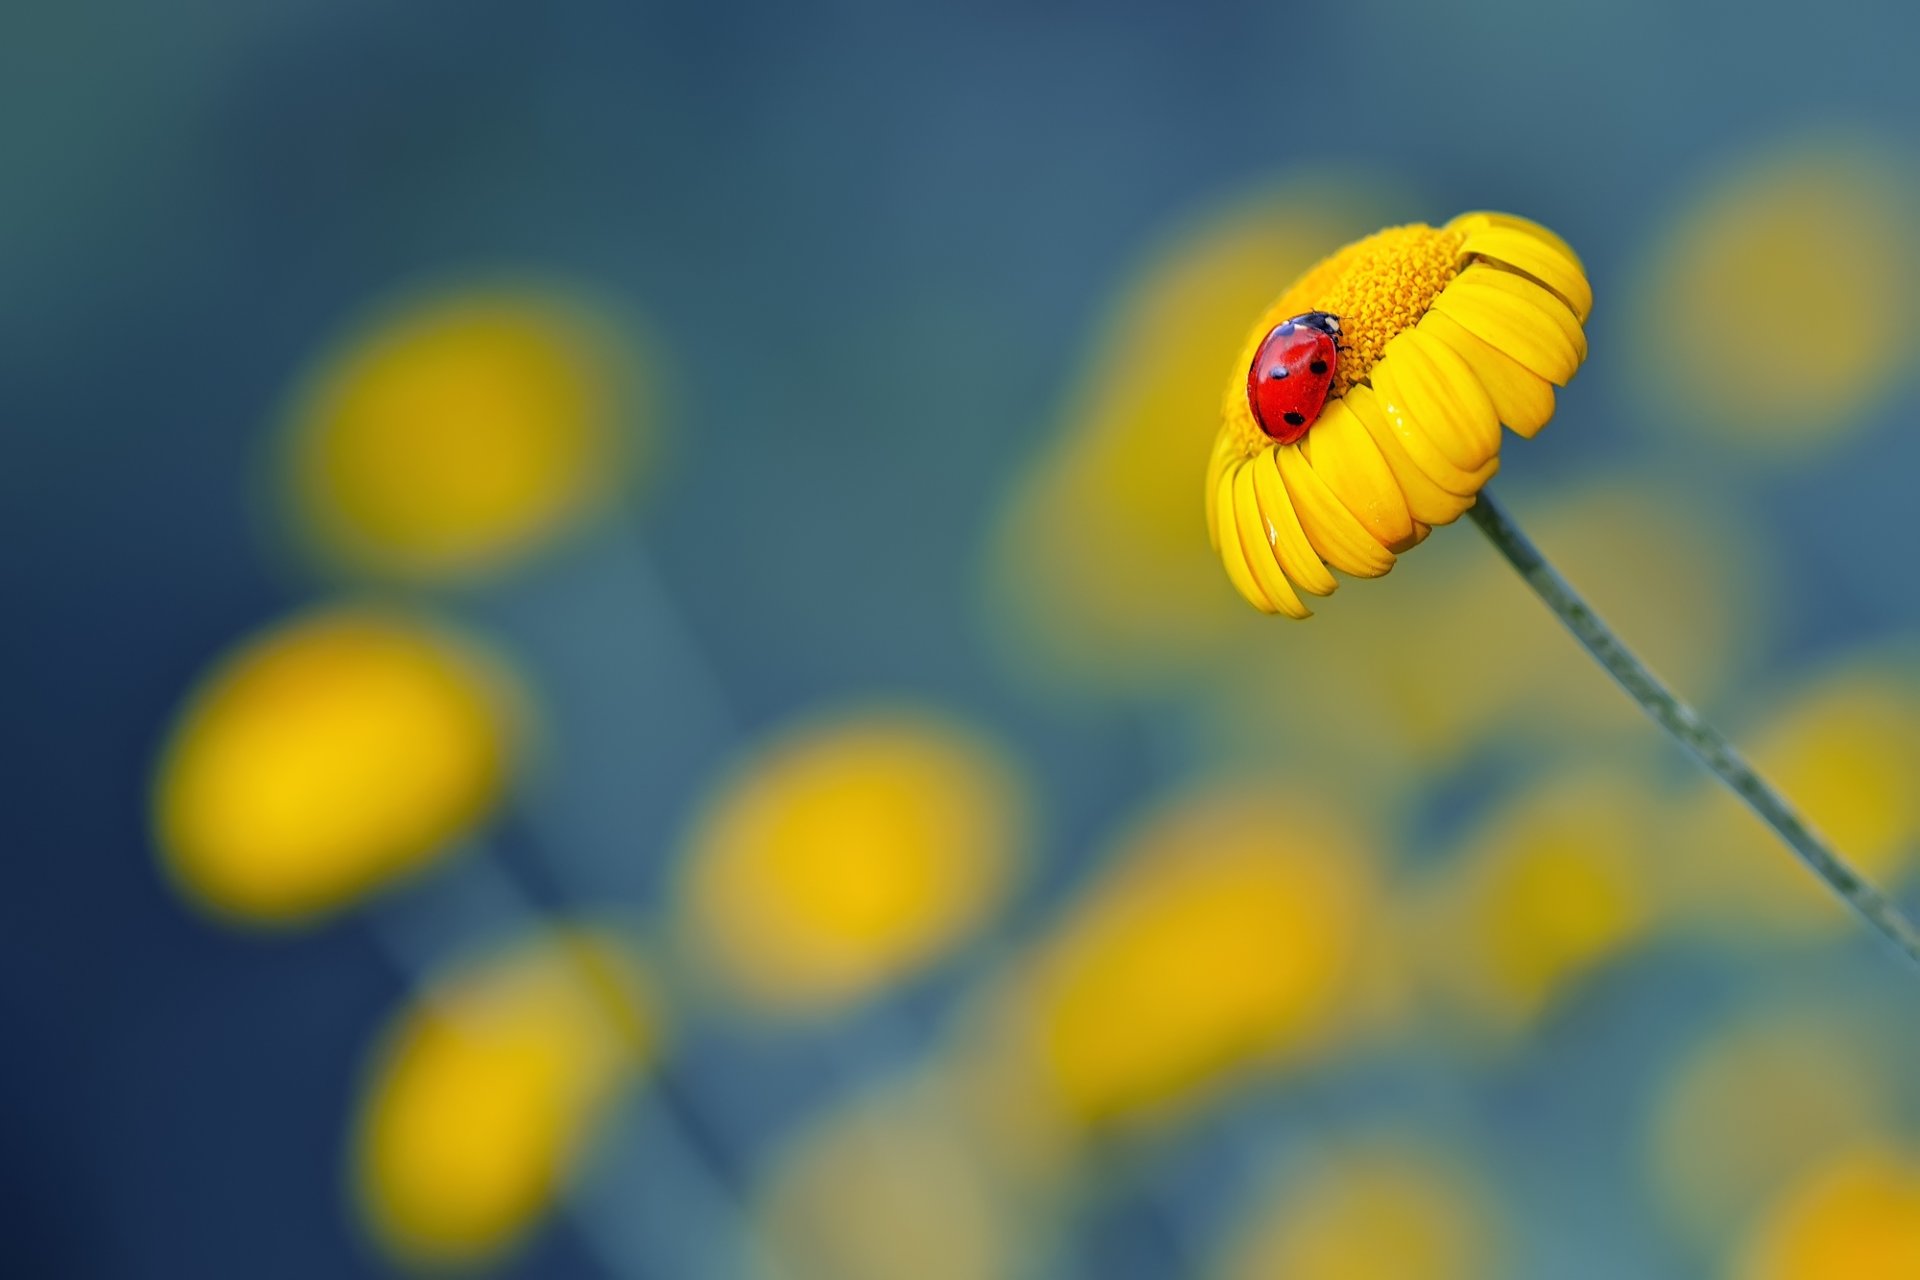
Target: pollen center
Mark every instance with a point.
(1378, 287)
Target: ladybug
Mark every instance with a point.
(1292, 373)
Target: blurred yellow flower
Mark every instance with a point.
(327, 757)
(1853, 1217)
(485, 1095)
(886, 1188)
(1538, 897)
(1224, 934)
(1374, 1211)
(1094, 566)
(1353, 690)
(1446, 333)
(1780, 308)
(450, 434)
(849, 852)
(1846, 747)
(1755, 1104)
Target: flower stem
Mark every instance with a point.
(1701, 739)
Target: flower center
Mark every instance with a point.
(1378, 287)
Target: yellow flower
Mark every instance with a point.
(338, 752)
(1447, 332)
(1846, 747)
(1355, 699)
(847, 853)
(451, 434)
(1374, 1211)
(1780, 309)
(1854, 1217)
(1757, 1103)
(1538, 898)
(1094, 571)
(486, 1094)
(1227, 934)
(891, 1185)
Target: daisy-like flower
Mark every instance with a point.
(1444, 334)
(1366, 408)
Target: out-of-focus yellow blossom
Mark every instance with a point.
(1224, 935)
(447, 435)
(1488, 657)
(1094, 564)
(849, 852)
(1846, 747)
(1695, 616)
(1781, 307)
(890, 1186)
(1447, 332)
(1373, 1212)
(327, 757)
(995, 1087)
(1538, 897)
(1755, 1104)
(1853, 1217)
(487, 1092)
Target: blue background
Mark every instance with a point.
(873, 238)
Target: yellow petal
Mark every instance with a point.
(1480, 219)
(1427, 502)
(1258, 545)
(1225, 453)
(1232, 555)
(1348, 460)
(1557, 270)
(1523, 399)
(1481, 275)
(1290, 543)
(1335, 532)
(1518, 317)
(1417, 442)
(1438, 391)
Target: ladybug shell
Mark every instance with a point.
(1291, 374)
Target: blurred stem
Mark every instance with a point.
(1701, 739)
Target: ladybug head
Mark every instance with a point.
(1325, 321)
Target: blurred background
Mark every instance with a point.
(615, 670)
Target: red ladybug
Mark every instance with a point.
(1292, 372)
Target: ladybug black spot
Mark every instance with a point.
(1295, 419)
(1318, 366)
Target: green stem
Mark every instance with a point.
(1698, 737)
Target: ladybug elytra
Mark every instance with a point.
(1292, 372)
